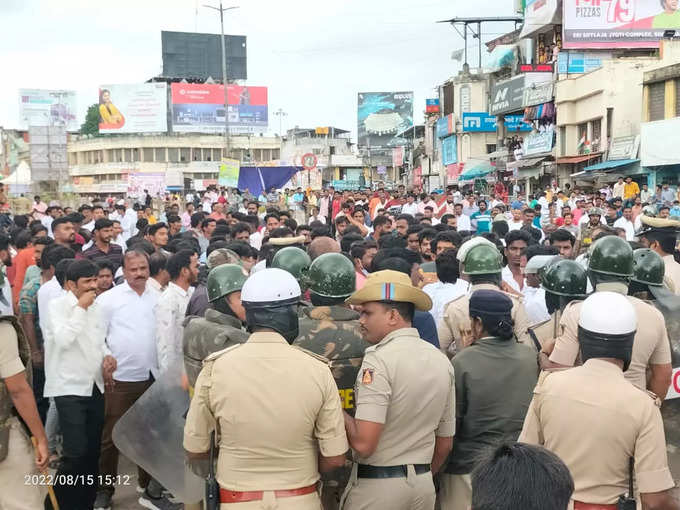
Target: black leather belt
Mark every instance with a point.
(366, 471)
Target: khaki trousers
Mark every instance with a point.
(270, 502)
(21, 485)
(455, 492)
(414, 492)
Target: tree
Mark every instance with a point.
(91, 125)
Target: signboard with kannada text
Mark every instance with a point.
(539, 143)
(482, 122)
(539, 93)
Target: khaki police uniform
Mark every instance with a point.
(594, 420)
(671, 277)
(20, 486)
(650, 346)
(408, 386)
(454, 330)
(276, 408)
(544, 332)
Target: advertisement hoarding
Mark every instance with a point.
(508, 96)
(482, 122)
(617, 23)
(229, 170)
(199, 108)
(445, 126)
(49, 161)
(382, 116)
(136, 108)
(432, 105)
(48, 108)
(138, 182)
(449, 150)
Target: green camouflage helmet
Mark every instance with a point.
(483, 259)
(611, 255)
(294, 260)
(224, 280)
(648, 267)
(565, 278)
(332, 275)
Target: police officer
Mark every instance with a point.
(610, 267)
(331, 328)
(405, 402)
(222, 325)
(275, 407)
(648, 274)
(595, 421)
(17, 460)
(481, 266)
(587, 229)
(660, 235)
(295, 261)
(564, 281)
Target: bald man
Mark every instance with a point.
(322, 245)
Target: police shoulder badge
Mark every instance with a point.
(367, 376)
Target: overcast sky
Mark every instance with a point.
(313, 55)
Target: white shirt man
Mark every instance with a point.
(442, 294)
(74, 348)
(411, 209)
(628, 226)
(130, 325)
(508, 278)
(48, 292)
(170, 311)
(534, 303)
(463, 223)
(619, 189)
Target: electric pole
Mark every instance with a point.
(222, 10)
(280, 114)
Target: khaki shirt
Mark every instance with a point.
(276, 407)
(671, 278)
(544, 331)
(594, 420)
(650, 346)
(406, 384)
(10, 362)
(455, 327)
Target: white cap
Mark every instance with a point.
(270, 285)
(609, 313)
(469, 244)
(537, 263)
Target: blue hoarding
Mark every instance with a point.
(449, 150)
(482, 122)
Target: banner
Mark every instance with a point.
(397, 156)
(539, 143)
(48, 108)
(381, 116)
(572, 62)
(229, 170)
(199, 108)
(449, 150)
(445, 126)
(138, 182)
(618, 23)
(138, 108)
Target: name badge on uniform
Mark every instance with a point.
(367, 377)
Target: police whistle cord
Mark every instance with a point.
(50, 489)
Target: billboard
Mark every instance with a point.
(199, 108)
(382, 116)
(138, 182)
(449, 150)
(137, 108)
(482, 122)
(618, 23)
(191, 55)
(48, 108)
(49, 160)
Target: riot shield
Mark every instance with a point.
(151, 433)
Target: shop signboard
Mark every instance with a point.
(538, 93)
(445, 126)
(577, 62)
(449, 150)
(539, 142)
(482, 122)
(624, 147)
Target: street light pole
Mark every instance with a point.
(221, 10)
(280, 114)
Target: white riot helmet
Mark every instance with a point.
(270, 298)
(606, 327)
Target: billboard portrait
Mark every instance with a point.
(199, 108)
(382, 116)
(39, 108)
(618, 23)
(139, 108)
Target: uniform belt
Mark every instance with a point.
(366, 471)
(579, 505)
(227, 496)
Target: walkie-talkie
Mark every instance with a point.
(628, 502)
(212, 488)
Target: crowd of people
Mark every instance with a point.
(513, 352)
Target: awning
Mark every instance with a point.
(579, 159)
(606, 165)
(503, 152)
(540, 15)
(476, 171)
(524, 163)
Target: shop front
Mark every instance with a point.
(660, 151)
